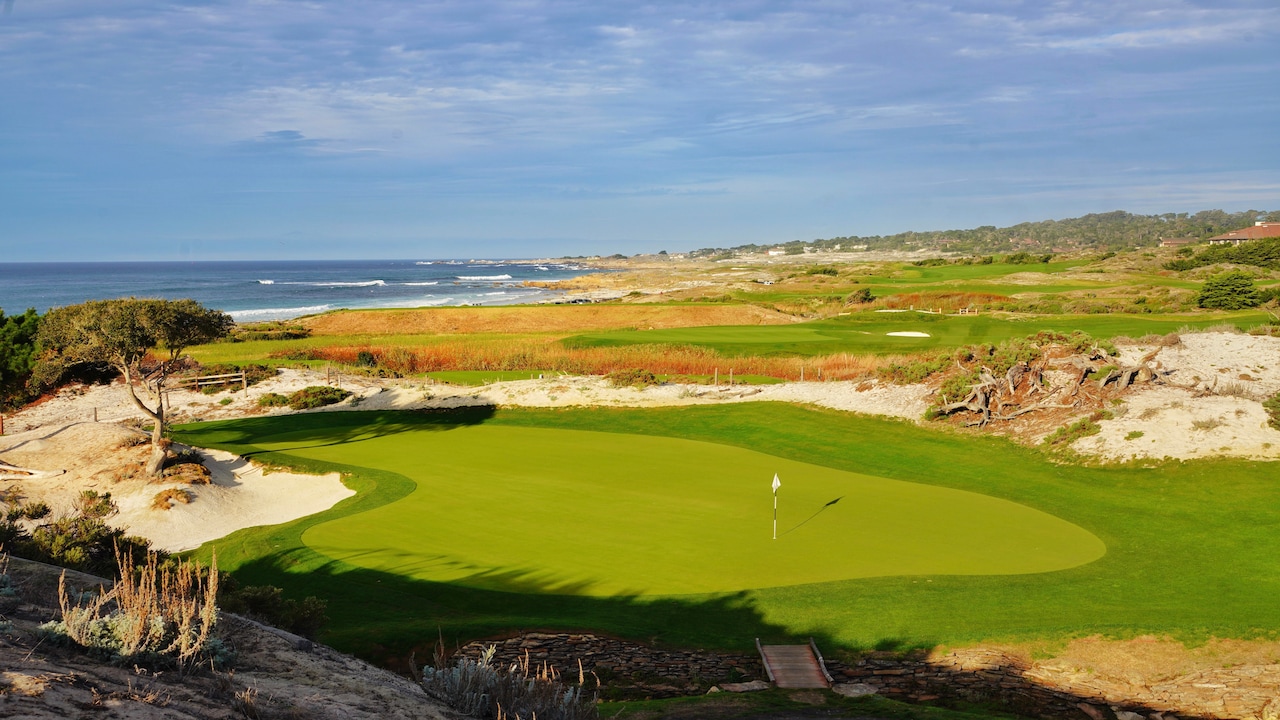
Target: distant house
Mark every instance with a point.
(1259, 231)
(1177, 242)
(776, 252)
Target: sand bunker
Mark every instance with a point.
(88, 455)
(908, 333)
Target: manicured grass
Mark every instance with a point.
(866, 332)
(643, 515)
(1191, 547)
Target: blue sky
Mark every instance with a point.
(134, 129)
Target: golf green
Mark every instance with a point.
(593, 513)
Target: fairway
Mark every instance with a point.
(576, 512)
(868, 332)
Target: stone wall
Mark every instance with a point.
(1037, 689)
(649, 672)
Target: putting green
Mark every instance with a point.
(576, 512)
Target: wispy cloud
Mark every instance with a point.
(740, 101)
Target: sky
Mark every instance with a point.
(275, 129)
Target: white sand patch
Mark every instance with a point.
(1220, 413)
(240, 496)
(92, 454)
(904, 401)
(908, 333)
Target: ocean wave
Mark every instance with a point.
(433, 282)
(278, 313)
(484, 277)
(541, 267)
(424, 262)
(500, 292)
(366, 283)
(266, 282)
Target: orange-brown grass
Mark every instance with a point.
(948, 301)
(659, 359)
(536, 319)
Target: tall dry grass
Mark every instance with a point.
(516, 355)
(152, 612)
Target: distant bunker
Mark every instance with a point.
(526, 509)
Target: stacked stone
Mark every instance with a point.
(972, 675)
(654, 672)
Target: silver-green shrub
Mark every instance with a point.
(520, 692)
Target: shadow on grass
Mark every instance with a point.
(326, 429)
(385, 617)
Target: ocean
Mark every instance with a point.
(279, 290)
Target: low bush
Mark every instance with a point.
(80, 541)
(317, 396)
(1272, 406)
(166, 498)
(273, 400)
(522, 692)
(635, 377)
(153, 616)
(1082, 428)
(268, 604)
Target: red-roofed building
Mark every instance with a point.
(1259, 231)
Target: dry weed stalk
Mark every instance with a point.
(517, 355)
(169, 611)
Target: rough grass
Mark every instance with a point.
(1199, 564)
(537, 319)
(521, 356)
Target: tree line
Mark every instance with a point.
(1111, 231)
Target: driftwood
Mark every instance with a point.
(13, 472)
(1010, 396)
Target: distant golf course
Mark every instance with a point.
(656, 524)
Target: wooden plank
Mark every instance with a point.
(794, 666)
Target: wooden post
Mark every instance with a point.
(1, 424)
(244, 382)
(716, 377)
(95, 410)
(801, 373)
(731, 376)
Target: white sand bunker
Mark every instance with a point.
(240, 496)
(908, 333)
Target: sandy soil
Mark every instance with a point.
(277, 674)
(105, 457)
(1218, 413)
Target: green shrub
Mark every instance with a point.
(861, 295)
(1082, 428)
(827, 270)
(17, 357)
(635, 377)
(481, 688)
(1272, 406)
(268, 604)
(1229, 291)
(317, 396)
(273, 400)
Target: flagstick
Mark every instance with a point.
(775, 514)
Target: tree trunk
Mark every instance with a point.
(155, 464)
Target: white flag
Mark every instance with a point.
(776, 483)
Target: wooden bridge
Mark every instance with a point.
(794, 666)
